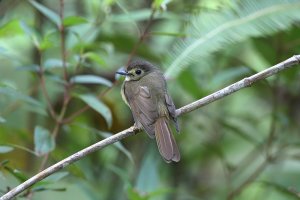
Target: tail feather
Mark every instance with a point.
(165, 140)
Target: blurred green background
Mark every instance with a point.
(62, 56)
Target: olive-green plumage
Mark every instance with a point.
(144, 90)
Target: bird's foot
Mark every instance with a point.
(137, 126)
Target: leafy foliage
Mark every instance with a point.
(59, 94)
(209, 32)
(43, 141)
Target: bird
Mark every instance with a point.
(144, 90)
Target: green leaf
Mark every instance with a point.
(227, 75)
(56, 177)
(139, 15)
(53, 63)
(22, 148)
(239, 132)
(74, 20)
(98, 106)
(157, 4)
(282, 189)
(20, 176)
(1, 178)
(8, 84)
(253, 58)
(51, 179)
(31, 68)
(104, 134)
(160, 192)
(43, 141)
(211, 31)
(6, 149)
(10, 29)
(54, 17)
(56, 78)
(3, 163)
(188, 81)
(30, 33)
(27, 30)
(15, 95)
(48, 41)
(149, 172)
(95, 57)
(133, 194)
(168, 34)
(2, 120)
(121, 172)
(41, 189)
(91, 79)
(119, 145)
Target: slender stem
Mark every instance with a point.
(132, 130)
(58, 119)
(75, 114)
(44, 162)
(142, 37)
(86, 107)
(62, 40)
(41, 75)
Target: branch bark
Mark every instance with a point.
(246, 82)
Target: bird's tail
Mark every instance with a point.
(165, 140)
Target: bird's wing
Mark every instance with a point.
(172, 110)
(143, 106)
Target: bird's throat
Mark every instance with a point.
(127, 78)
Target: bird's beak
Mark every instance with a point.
(122, 72)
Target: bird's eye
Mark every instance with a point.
(138, 72)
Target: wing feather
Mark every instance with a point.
(172, 110)
(165, 141)
(144, 109)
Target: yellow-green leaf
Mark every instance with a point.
(74, 20)
(10, 29)
(98, 106)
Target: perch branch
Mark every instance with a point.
(246, 82)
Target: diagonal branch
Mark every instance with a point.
(246, 82)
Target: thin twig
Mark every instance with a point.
(246, 82)
(66, 100)
(62, 39)
(267, 145)
(86, 107)
(143, 36)
(57, 118)
(41, 74)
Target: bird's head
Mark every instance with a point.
(136, 70)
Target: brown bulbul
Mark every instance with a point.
(144, 91)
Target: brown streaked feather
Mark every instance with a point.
(165, 141)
